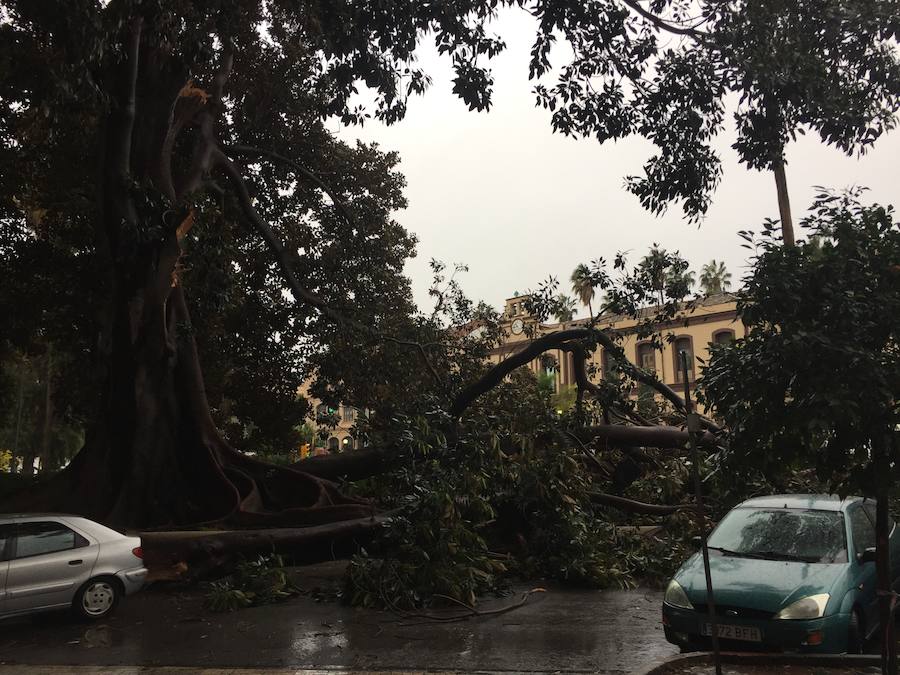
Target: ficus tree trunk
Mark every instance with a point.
(153, 457)
(48, 409)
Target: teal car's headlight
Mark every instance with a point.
(676, 596)
(810, 607)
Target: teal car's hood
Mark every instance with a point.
(766, 585)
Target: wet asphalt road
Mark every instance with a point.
(561, 630)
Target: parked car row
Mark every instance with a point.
(50, 561)
(789, 572)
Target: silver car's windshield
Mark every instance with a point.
(801, 535)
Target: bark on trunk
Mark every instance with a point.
(885, 589)
(632, 506)
(48, 411)
(13, 462)
(193, 554)
(784, 203)
(154, 457)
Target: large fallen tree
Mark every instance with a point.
(150, 144)
(165, 126)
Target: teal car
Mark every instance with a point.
(789, 573)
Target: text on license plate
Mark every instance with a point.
(730, 632)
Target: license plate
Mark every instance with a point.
(730, 632)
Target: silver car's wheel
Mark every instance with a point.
(97, 598)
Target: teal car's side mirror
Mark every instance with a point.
(866, 556)
(697, 541)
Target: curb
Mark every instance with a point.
(741, 658)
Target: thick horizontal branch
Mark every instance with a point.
(352, 465)
(635, 436)
(632, 506)
(189, 553)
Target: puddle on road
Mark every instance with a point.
(102, 636)
(308, 642)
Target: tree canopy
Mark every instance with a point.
(816, 380)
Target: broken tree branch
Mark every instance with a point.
(206, 150)
(298, 168)
(561, 340)
(496, 374)
(662, 24)
(470, 610)
(635, 436)
(632, 506)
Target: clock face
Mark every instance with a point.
(518, 326)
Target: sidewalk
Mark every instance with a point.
(152, 670)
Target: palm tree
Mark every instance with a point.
(715, 278)
(564, 308)
(583, 287)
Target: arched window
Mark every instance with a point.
(346, 444)
(683, 344)
(333, 444)
(646, 356)
(609, 364)
(723, 337)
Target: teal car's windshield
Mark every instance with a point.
(782, 534)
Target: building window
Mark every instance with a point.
(333, 444)
(609, 365)
(646, 356)
(346, 444)
(723, 337)
(683, 345)
(349, 413)
(321, 410)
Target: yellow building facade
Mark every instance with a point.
(328, 439)
(706, 320)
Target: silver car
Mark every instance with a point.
(54, 561)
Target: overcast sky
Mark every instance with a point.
(517, 203)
